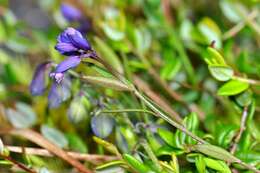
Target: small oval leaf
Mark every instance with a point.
(55, 136)
(102, 125)
(22, 117)
(232, 87)
(221, 73)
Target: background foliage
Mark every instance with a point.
(196, 61)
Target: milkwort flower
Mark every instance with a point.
(71, 43)
(38, 83)
(72, 14)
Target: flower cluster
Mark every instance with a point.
(70, 43)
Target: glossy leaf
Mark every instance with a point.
(217, 165)
(232, 87)
(221, 73)
(136, 164)
(211, 31)
(200, 164)
(108, 146)
(167, 136)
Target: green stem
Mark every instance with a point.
(151, 154)
(250, 81)
(166, 118)
(129, 110)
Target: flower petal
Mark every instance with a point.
(70, 13)
(38, 83)
(59, 93)
(77, 39)
(66, 48)
(67, 64)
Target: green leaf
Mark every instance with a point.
(168, 150)
(76, 143)
(110, 164)
(107, 145)
(106, 82)
(136, 164)
(192, 124)
(214, 58)
(217, 165)
(108, 54)
(167, 136)
(221, 73)
(113, 33)
(54, 135)
(244, 99)
(229, 10)
(225, 134)
(210, 31)
(200, 164)
(174, 163)
(22, 117)
(232, 87)
(215, 152)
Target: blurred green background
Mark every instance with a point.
(159, 45)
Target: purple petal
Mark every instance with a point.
(77, 39)
(59, 93)
(70, 13)
(63, 38)
(38, 83)
(70, 62)
(57, 76)
(65, 48)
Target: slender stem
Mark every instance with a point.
(242, 128)
(250, 167)
(128, 110)
(250, 81)
(234, 30)
(166, 118)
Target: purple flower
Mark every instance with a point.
(70, 62)
(38, 83)
(71, 42)
(59, 93)
(70, 13)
